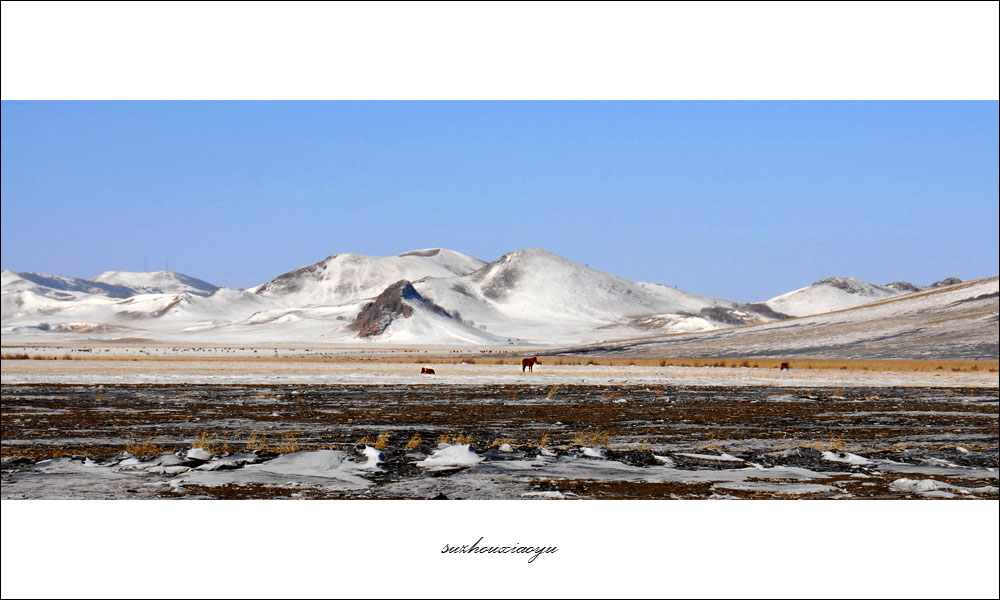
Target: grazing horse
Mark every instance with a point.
(426, 371)
(528, 363)
(784, 367)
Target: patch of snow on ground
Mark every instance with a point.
(938, 489)
(845, 457)
(199, 454)
(456, 455)
(326, 468)
(548, 495)
(713, 457)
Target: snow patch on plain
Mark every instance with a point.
(455, 455)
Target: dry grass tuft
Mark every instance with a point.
(414, 442)
(289, 442)
(596, 438)
(147, 448)
(257, 442)
(711, 444)
(834, 444)
(210, 447)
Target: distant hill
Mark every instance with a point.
(156, 282)
(838, 293)
(956, 321)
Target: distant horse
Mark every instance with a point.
(426, 371)
(784, 367)
(528, 363)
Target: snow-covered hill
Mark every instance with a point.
(838, 293)
(156, 282)
(111, 284)
(344, 278)
(534, 296)
(424, 297)
(113, 301)
(58, 287)
(401, 314)
(957, 321)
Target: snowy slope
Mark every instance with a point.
(115, 301)
(838, 293)
(58, 287)
(344, 278)
(400, 314)
(114, 284)
(156, 282)
(527, 282)
(951, 322)
(534, 296)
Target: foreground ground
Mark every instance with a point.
(299, 429)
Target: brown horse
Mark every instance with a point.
(784, 367)
(426, 371)
(528, 363)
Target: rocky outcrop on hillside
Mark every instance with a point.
(396, 302)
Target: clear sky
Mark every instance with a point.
(741, 200)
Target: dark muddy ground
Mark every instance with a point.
(646, 442)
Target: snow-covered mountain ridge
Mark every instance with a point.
(429, 296)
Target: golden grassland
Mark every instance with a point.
(828, 364)
(823, 364)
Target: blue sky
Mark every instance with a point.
(741, 200)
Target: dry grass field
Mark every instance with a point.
(957, 366)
